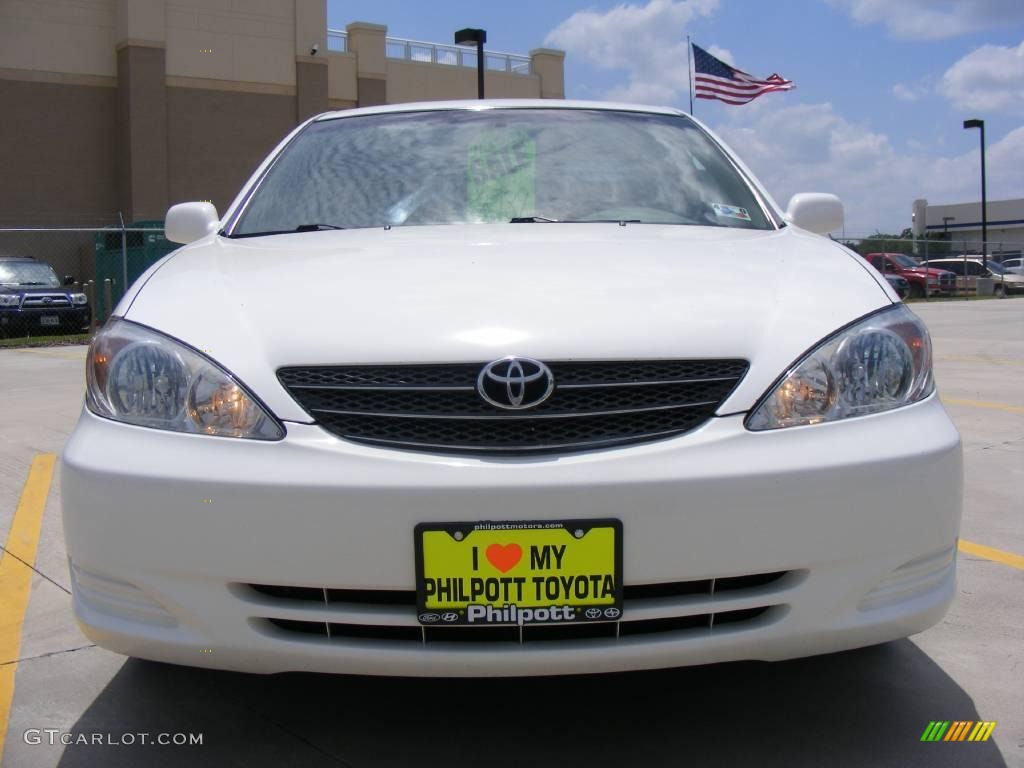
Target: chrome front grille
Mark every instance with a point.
(45, 301)
(665, 610)
(437, 407)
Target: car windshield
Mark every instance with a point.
(904, 261)
(28, 273)
(996, 268)
(499, 165)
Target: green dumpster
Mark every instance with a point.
(145, 245)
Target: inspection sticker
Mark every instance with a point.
(519, 572)
(731, 211)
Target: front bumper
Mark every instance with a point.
(164, 529)
(17, 320)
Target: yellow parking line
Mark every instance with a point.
(57, 353)
(984, 404)
(16, 577)
(998, 555)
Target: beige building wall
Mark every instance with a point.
(423, 81)
(71, 37)
(342, 88)
(238, 42)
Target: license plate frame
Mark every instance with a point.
(587, 546)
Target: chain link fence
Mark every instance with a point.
(942, 268)
(66, 281)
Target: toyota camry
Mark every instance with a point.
(460, 389)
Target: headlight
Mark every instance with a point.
(141, 377)
(10, 301)
(880, 363)
(79, 299)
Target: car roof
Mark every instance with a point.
(485, 104)
(18, 258)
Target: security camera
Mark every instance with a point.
(313, 51)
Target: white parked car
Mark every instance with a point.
(1014, 266)
(458, 389)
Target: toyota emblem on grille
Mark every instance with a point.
(514, 383)
(47, 300)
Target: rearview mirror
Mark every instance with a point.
(187, 222)
(69, 279)
(816, 212)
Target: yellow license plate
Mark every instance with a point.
(519, 572)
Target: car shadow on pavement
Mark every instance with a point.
(866, 707)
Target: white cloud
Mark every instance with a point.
(990, 79)
(933, 19)
(723, 54)
(647, 41)
(905, 92)
(812, 148)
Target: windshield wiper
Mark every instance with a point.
(622, 222)
(315, 227)
(546, 220)
(300, 228)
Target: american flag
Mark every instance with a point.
(714, 79)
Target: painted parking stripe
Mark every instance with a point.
(984, 404)
(16, 576)
(990, 553)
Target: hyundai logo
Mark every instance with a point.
(514, 383)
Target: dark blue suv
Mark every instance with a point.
(33, 300)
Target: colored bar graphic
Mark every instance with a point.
(958, 730)
(983, 730)
(935, 730)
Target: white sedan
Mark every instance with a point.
(463, 389)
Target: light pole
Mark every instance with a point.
(975, 123)
(945, 230)
(478, 37)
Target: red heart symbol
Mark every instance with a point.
(504, 556)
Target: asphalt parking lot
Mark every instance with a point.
(866, 707)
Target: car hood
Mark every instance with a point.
(29, 290)
(477, 293)
(927, 271)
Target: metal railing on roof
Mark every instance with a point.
(438, 53)
(337, 40)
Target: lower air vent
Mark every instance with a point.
(531, 633)
(666, 609)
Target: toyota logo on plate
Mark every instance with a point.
(514, 383)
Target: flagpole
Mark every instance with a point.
(689, 72)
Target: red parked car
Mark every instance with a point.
(922, 279)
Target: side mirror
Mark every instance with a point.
(187, 222)
(69, 279)
(816, 212)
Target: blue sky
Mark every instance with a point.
(883, 86)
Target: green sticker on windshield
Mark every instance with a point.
(502, 174)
